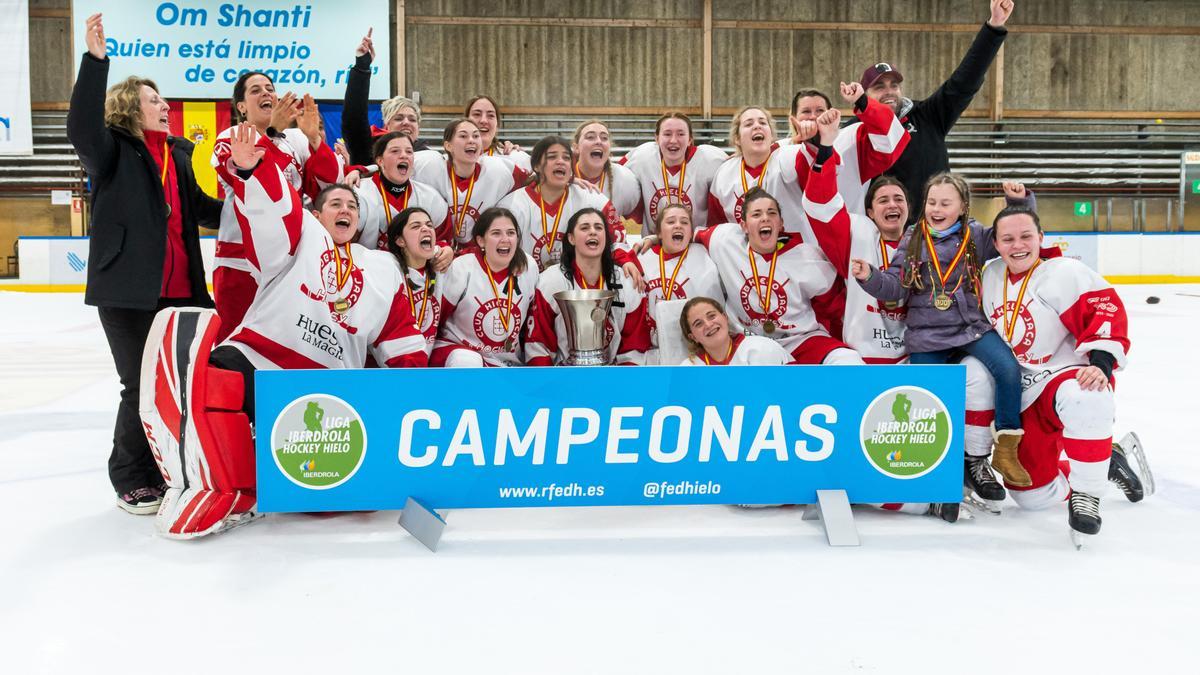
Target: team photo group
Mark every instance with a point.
(847, 241)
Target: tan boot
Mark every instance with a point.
(1004, 457)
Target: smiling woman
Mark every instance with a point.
(144, 246)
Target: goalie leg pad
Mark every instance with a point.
(199, 436)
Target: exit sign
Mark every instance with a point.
(1196, 187)
(1085, 208)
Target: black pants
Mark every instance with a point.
(131, 466)
(231, 358)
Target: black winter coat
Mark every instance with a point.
(128, 209)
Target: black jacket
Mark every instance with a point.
(929, 121)
(128, 210)
(356, 128)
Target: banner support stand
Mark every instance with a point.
(833, 510)
(423, 523)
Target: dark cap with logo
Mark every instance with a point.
(877, 71)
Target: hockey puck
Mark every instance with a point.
(1152, 300)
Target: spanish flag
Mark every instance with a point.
(200, 122)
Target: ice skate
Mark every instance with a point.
(1130, 447)
(980, 487)
(949, 512)
(1004, 457)
(1121, 474)
(1083, 516)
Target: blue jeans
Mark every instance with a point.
(997, 357)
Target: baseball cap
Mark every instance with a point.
(876, 71)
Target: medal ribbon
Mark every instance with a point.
(504, 316)
(412, 302)
(667, 182)
(883, 254)
(599, 186)
(583, 280)
(728, 356)
(762, 176)
(1010, 324)
(551, 235)
(340, 264)
(668, 289)
(764, 296)
(459, 217)
(387, 208)
(937, 265)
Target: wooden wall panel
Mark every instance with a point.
(51, 65)
(559, 66)
(602, 9)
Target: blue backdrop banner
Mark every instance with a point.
(608, 436)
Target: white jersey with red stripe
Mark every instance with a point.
(871, 327)
(295, 320)
(290, 151)
(1067, 311)
(748, 350)
(479, 316)
(542, 231)
(374, 213)
(780, 175)
(802, 278)
(425, 303)
(546, 335)
(467, 197)
(622, 189)
(517, 159)
(697, 172)
(691, 274)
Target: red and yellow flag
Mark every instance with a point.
(200, 122)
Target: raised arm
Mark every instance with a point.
(267, 208)
(93, 141)
(823, 205)
(880, 139)
(356, 128)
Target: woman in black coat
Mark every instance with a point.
(145, 244)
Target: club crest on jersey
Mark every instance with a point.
(464, 232)
(752, 305)
(433, 314)
(1026, 332)
(670, 197)
(547, 256)
(329, 293)
(488, 324)
(737, 208)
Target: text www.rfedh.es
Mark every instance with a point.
(552, 491)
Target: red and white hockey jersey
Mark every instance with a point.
(291, 153)
(781, 175)
(295, 321)
(691, 274)
(546, 335)
(1066, 311)
(542, 232)
(800, 297)
(623, 190)
(871, 327)
(480, 316)
(425, 303)
(688, 183)
(375, 211)
(467, 197)
(748, 350)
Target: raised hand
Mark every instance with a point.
(1014, 190)
(1001, 10)
(95, 37)
(339, 149)
(367, 46)
(804, 130)
(309, 121)
(827, 125)
(860, 269)
(243, 146)
(851, 92)
(286, 110)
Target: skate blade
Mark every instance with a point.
(1079, 539)
(1132, 445)
(239, 520)
(975, 503)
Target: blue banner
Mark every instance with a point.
(513, 437)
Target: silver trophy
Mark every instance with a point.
(584, 312)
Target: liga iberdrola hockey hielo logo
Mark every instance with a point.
(906, 432)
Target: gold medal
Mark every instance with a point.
(769, 327)
(942, 301)
(341, 305)
(168, 205)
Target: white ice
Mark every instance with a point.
(88, 588)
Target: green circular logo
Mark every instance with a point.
(906, 432)
(318, 441)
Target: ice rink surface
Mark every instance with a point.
(87, 588)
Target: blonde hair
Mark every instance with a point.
(123, 104)
(662, 215)
(393, 105)
(735, 124)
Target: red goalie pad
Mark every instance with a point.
(192, 414)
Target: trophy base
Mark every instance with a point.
(588, 357)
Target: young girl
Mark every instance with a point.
(587, 262)
(485, 297)
(705, 326)
(935, 271)
(412, 238)
(469, 182)
(593, 163)
(483, 111)
(676, 268)
(671, 170)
